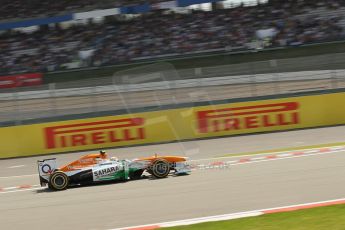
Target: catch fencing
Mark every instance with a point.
(155, 86)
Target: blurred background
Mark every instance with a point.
(46, 36)
(249, 48)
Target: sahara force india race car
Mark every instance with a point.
(95, 168)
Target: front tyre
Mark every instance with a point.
(58, 181)
(160, 168)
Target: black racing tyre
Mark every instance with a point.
(136, 174)
(58, 181)
(160, 168)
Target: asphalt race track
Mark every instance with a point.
(242, 187)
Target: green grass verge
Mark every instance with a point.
(322, 218)
(285, 150)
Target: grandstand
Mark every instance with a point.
(99, 37)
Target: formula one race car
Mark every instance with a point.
(94, 168)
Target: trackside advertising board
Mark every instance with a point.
(30, 79)
(173, 125)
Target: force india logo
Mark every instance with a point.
(248, 117)
(93, 133)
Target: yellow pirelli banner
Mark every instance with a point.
(173, 125)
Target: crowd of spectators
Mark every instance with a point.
(305, 4)
(19, 9)
(157, 33)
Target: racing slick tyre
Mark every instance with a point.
(160, 168)
(58, 181)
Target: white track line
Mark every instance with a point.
(284, 155)
(311, 151)
(258, 158)
(16, 166)
(10, 188)
(278, 159)
(22, 190)
(307, 151)
(9, 177)
(297, 206)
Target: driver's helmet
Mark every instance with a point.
(114, 159)
(103, 154)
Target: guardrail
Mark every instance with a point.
(158, 85)
(176, 84)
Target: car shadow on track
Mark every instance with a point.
(105, 183)
(48, 190)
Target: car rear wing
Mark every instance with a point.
(45, 168)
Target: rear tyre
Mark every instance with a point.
(58, 181)
(160, 168)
